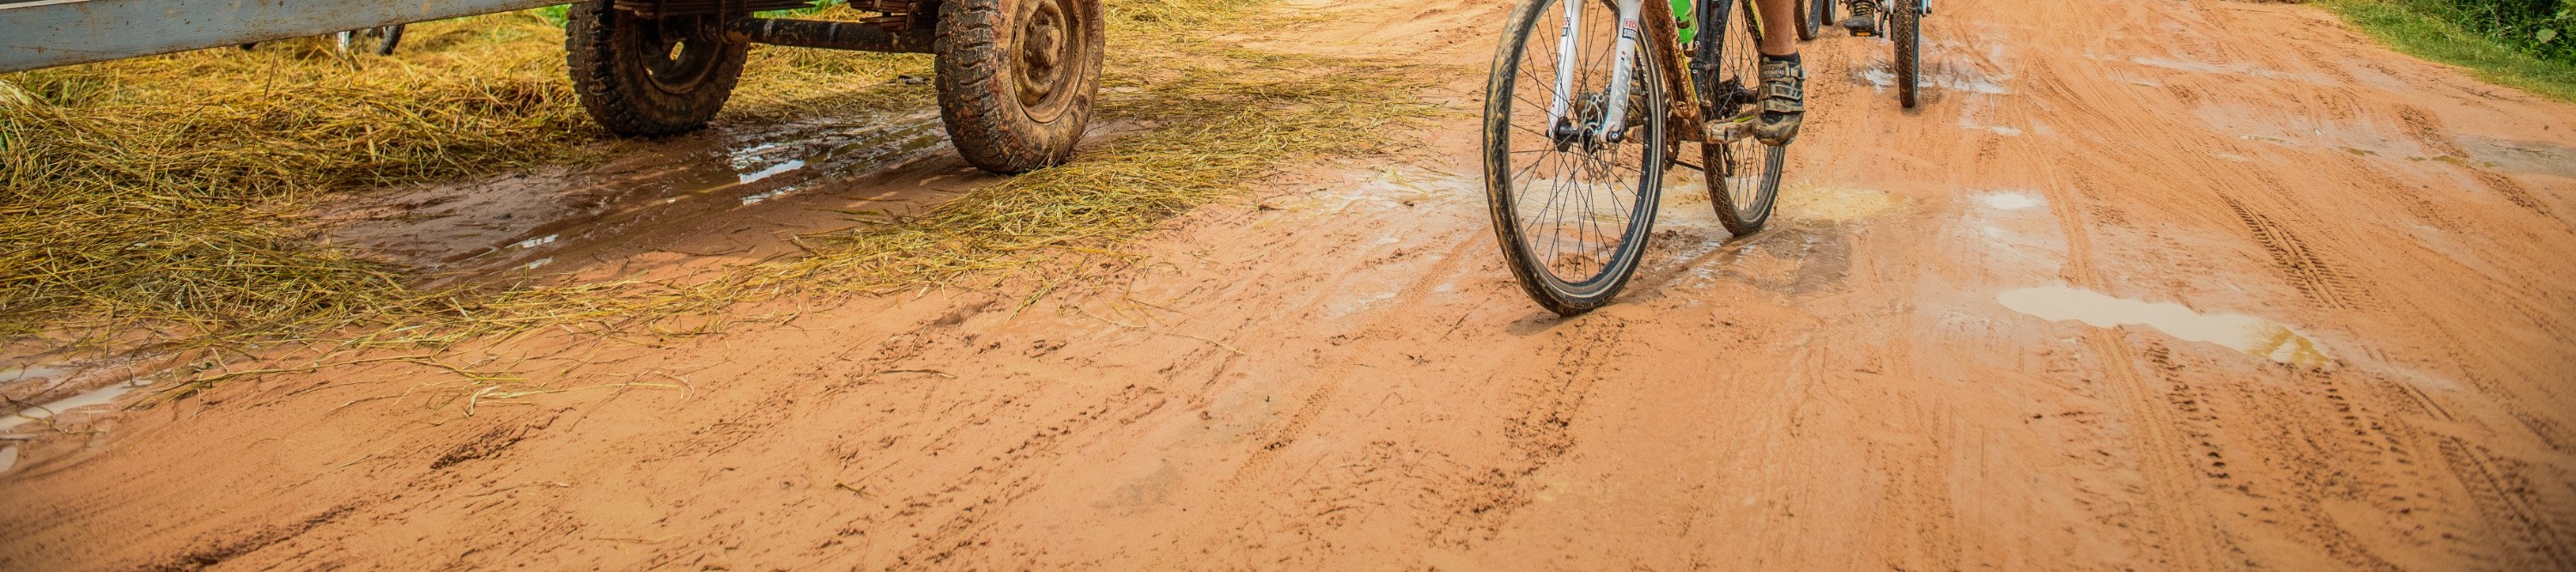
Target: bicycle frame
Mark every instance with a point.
(1659, 27)
(1923, 7)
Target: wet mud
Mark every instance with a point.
(2164, 285)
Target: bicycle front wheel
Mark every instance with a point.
(1572, 204)
(1743, 174)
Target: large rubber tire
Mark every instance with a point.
(1017, 78)
(1908, 35)
(649, 76)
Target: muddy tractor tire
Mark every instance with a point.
(1017, 78)
(649, 76)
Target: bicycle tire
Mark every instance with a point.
(1599, 271)
(1824, 11)
(1908, 37)
(1811, 21)
(1743, 174)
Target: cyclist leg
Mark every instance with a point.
(1784, 77)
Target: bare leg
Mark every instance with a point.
(1779, 35)
(1784, 79)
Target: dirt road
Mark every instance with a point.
(2142, 285)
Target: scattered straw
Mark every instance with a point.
(162, 191)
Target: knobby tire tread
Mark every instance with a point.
(619, 99)
(978, 103)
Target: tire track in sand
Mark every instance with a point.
(2184, 533)
(1538, 435)
(2295, 260)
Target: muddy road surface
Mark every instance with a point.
(2141, 285)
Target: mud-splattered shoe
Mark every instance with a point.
(1784, 100)
(1864, 18)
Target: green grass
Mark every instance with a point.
(2431, 38)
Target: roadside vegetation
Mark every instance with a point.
(160, 201)
(2519, 43)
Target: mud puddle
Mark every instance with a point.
(100, 396)
(2534, 157)
(2248, 334)
(525, 221)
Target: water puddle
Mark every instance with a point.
(517, 221)
(1964, 123)
(100, 396)
(1826, 203)
(2535, 157)
(2230, 69)
(21, 373)
(770, 171)
(787, 163)
(2009, 200)
(2254, 336)
(1881, 79)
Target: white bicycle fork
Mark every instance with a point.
(1614, 120)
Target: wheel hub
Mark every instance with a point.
(677, 51)
(1045, 49)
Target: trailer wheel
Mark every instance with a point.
(1016, 79)
(649, 76)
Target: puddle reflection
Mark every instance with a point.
(2254, 336)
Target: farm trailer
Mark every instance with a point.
(1016, 78)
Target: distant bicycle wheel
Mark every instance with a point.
(1743, 174)
(1907, 20)
(1812, 15)
(1572, 201)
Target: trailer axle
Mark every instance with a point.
(831, 35)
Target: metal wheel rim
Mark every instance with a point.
(1605, 181)
(677, 54)
(1047, 44)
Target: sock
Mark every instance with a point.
(1791, 58)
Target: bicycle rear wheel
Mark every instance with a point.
(1907, 21)
(1743, 174)
(1571, 210)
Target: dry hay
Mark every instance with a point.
(236, 268)
(166, 193)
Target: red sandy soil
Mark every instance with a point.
(1339, 374)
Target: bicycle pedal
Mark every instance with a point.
(1723, 131)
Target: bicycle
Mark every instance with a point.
(1903, 21)
(1589, 128)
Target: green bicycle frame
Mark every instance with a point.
(1682, 14)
